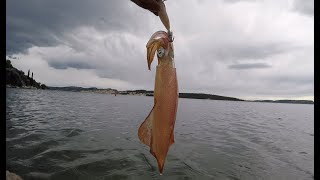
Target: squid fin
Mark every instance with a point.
(145, 129)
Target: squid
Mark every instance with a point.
(157, 130)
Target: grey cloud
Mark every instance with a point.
(39, 23)
(304, 6)
(297, 80)
(65, 65)
(244, 66)
(116, 56)
(251, 50)
(240, 52)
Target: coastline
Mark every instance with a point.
(115, 92)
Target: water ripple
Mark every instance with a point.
(70, 135)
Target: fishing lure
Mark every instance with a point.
(157, 131)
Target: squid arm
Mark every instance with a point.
(157, 130)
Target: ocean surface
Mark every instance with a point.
(71, 135)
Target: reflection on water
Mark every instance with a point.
(69, 135)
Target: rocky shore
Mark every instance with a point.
(17, 78)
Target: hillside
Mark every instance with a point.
(17, 78)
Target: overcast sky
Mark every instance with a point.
(250, 49)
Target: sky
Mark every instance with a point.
(249, 49)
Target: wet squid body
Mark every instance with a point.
(157, 131)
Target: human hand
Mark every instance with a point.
(158, 8)
(152, 5)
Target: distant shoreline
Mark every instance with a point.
(17, 79)
(181, 95)
(150, 93)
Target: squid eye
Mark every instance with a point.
(160, 52)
